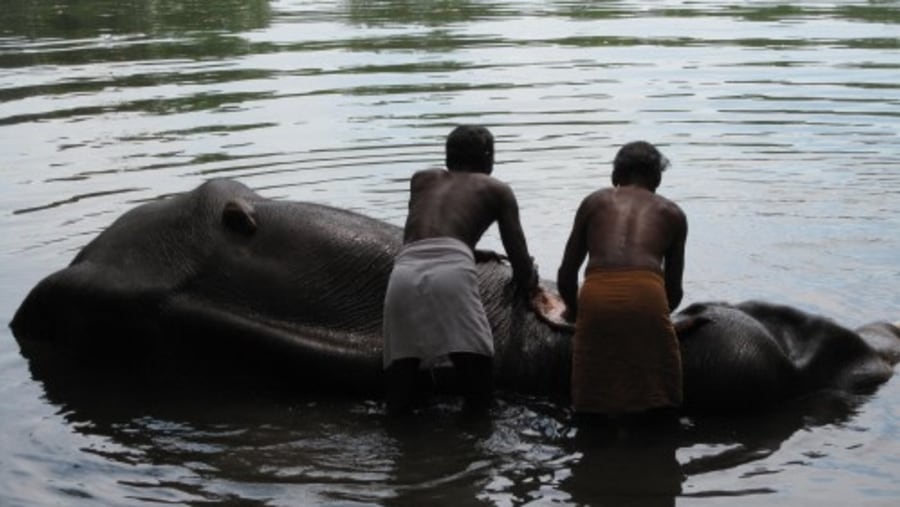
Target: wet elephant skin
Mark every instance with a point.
(222, 283)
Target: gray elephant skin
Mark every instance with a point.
(222, 282)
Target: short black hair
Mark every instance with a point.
(639, 162)
(470, 148)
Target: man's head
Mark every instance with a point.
(639, 163)
(470, 148)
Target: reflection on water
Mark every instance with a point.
(37, 19)
(781, 121)
(227, 442)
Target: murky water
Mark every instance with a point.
(782, 123)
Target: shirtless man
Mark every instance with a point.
(432, 307)
(625, 357)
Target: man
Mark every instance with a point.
(625, 355)
(432, 307)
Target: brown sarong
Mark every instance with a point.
(625, 355)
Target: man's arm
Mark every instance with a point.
(576, 250)
(524, 272)
(674, 261)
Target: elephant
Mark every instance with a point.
(222, 282)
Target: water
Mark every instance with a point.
(781, 122)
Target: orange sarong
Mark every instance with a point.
(625, 355)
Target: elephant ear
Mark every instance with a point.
(551, 309)
(239, 216)
(684, 327)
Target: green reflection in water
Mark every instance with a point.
(876, 11)
(427, 12)
(40, 19)
(41, 32)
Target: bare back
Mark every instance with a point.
(626, 227)
(630, 227)
(463, 205)
(447, 204)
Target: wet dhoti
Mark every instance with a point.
(432, 306)
(625, 353)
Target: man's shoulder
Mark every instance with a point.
(671, 209)
(499, 190)
(425, 178)
(597, 196)
(428, 174)
(668, 203)
(480, 182)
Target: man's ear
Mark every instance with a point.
(239, 216)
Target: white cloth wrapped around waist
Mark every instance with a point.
(432, 306)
